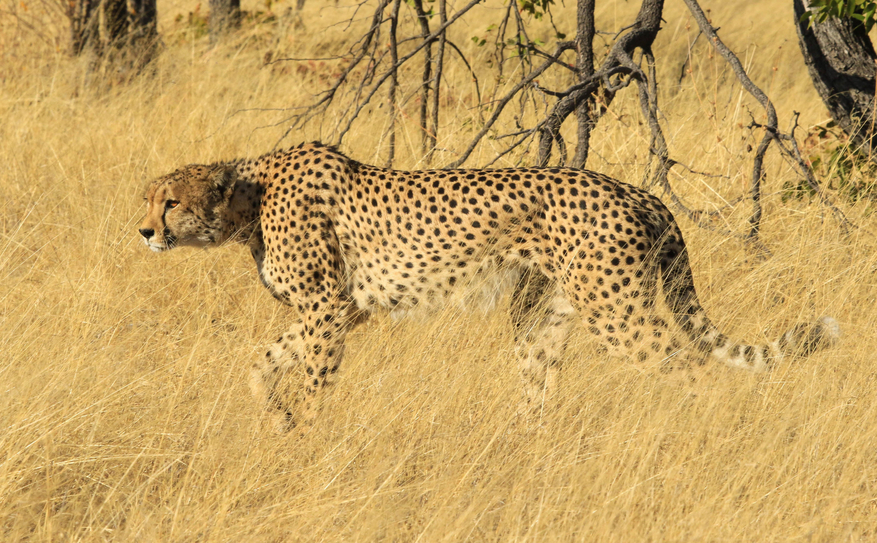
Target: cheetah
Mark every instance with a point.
(338, 240)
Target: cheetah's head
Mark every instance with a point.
(186, 208)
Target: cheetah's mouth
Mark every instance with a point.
(170, 241)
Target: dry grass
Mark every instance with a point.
(123, 395)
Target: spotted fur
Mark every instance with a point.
(338, 240)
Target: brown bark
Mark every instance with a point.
(427, 140)
(585, 66)
(640, 35)
(841, 60)
(110, 27)
(224, 16)
(84, 21)
(394, 82)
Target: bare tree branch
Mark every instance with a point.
(429, 39)
(771, 127)
(329, 94)
(792, 155)
(561, 47)
(469, 67)
(639, 35)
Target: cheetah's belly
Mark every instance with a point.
(423, 289)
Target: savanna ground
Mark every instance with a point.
(123, 399)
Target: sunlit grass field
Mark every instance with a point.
(124, 404)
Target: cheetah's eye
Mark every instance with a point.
(170, 204)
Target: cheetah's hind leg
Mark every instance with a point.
(541, 316)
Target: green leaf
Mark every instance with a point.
(864, 11)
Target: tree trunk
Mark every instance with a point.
(224, 16)
(128, 28)
(585, 66)
(640, 35)
(427, 140)
(84, 20)
(841, 61)
(143, 22)
(142, 41)
(394, 83)
(116, 21)
(436, 90)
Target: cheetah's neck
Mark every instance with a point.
(241, 216)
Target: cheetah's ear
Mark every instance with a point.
(222, 178)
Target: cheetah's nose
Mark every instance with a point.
(147, 232)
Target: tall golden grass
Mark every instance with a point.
(123, 399)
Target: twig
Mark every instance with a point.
(639, 35)
(688, 57)
(314, 109)
(367, 50)
(527, 134)
(502, 103)
(792, 155)
(429, 39)
(295, 59)
(758, 160)
(468, 66)
(697, 172)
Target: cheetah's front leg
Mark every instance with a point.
(289, 379)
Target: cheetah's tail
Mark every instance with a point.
(802, 339)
